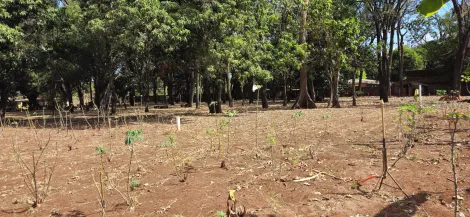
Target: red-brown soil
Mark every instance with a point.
(349, 149)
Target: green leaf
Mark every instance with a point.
(430, 7)
(101, 150)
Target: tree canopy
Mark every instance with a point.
(105, 53)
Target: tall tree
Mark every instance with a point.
(304, 99)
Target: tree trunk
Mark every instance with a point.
(304, 98)
(3, 103)
(264, 99)
(124, 101)
(354, 87)
(458, 67)
(147, 98)
(334, 94)
(242, 84)
(252, 94)
(80, 96)
(132, 97)
(229, 87)
(463, 36)
(33, 100)
(198, 90)
(170, 89)
(379, 57)
(218, 107)
(390, 55)
(191, 89)
(91, 91)
(383, 79)
(284, 94)
(155, 91)
(360, 80)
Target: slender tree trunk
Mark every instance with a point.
(289, 96)
(224, 91)
(264, 100)
(170, 89)
(251, 92)
(273, 92)
(379, 57)
(360, 80)
(91, 91)
(155, 91)
(132, 97)
(242, 84)
(147, 99)
(198, 84)
(284, 93)
(304, 98)
(334, 95)
(164, 94)
(191, 89)
(390, 55)
(80, 95)
(385, 75)
(229, 87)
(218, 107)
(3, 103)
(354, 87)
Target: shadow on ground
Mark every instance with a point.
(404, 207)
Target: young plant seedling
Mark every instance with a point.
(322, 137)
(220, 213)
(224, 123)
(295, 117)
(131, 137)
(453, 119)
(134, 184)
(211, 133)
(37, 175)
(101, 151)
(172, 155)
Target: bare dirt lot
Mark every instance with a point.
(334, 147)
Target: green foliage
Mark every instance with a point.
(132, 135)
(134, 184)
(172, 139)
(220, 213)
(271, 140)
(412, 108)
(231, 114)
(441, 92)
(170, 142)
(101, 150)
(224, 123)
(210, 131)
(457, 116)
(354, 186)
(412, 61)
(297, 115)
(325, 116)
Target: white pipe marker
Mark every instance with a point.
(178, 123)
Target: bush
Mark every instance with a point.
(441, 92)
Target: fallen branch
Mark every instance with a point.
(308, 178)
(332, 176)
